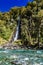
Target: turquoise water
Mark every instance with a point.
(21, 57)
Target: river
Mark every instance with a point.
(21, 57)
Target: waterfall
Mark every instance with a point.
(16, 35)
(17, 31)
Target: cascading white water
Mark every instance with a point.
(16, 35)
(17, 31)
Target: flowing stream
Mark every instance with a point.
(21, 57)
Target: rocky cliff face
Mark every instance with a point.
(31, 24)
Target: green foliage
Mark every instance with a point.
(6, 25)
(31, 31)
(31, 23)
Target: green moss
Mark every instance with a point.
(18, 42)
